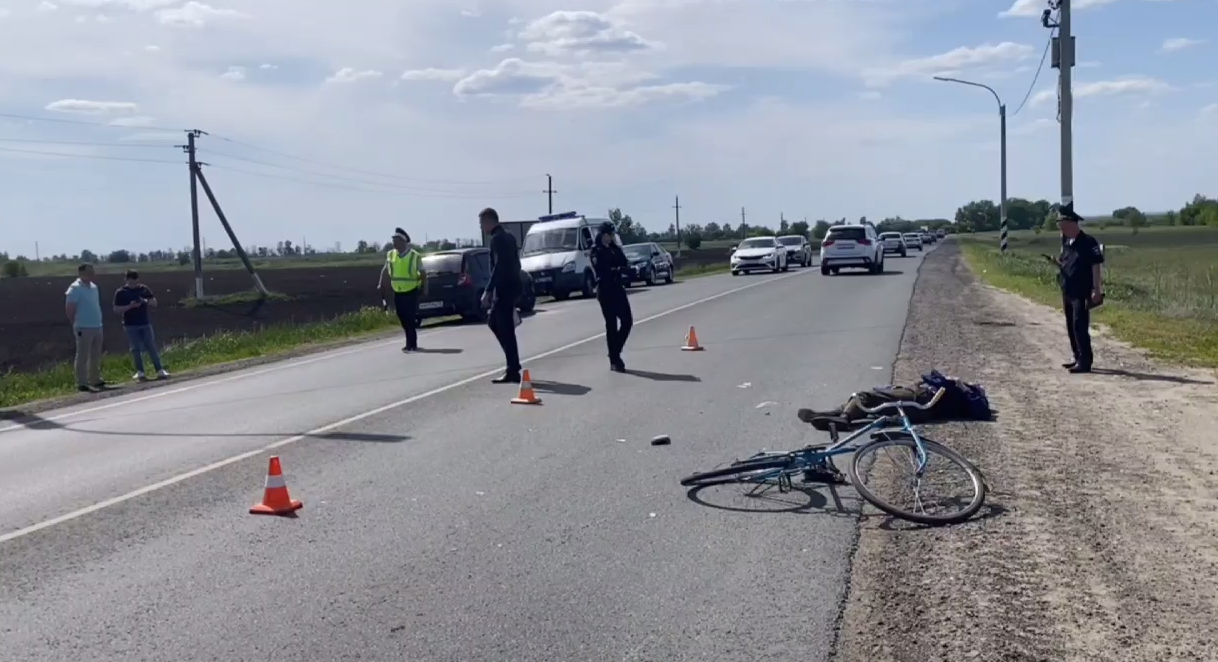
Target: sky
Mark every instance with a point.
(332, 122)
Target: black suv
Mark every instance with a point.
(456, 280)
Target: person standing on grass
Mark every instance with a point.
(83, 307)
(503, 292)
(132, 301)
(1082, 285)
(407, 279)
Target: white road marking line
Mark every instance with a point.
(33, 528)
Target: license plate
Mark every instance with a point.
(431, 304)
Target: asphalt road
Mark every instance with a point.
(442, 522)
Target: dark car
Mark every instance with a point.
(456, 280)
(648, 264)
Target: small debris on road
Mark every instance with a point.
(745, 385)
(661, 440)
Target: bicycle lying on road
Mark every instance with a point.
(815, 464)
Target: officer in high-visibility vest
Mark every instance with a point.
(408, 281)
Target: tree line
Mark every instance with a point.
(1023, 214)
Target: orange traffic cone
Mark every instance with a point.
(526, 396)
(275, 498)
(691, 342)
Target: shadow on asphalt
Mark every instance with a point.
(439, 350)
(990, 510)
(559, 388)
(30, 421)
(887, 272)
(1147, 377)
(801, 500)
(662, 376)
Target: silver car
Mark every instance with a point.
(799, 251)
(894, 243)
(913, 240)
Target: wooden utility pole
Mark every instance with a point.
(550, 193)
(676, 207)
(743, 224)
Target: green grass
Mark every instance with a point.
(1161, 284)
(227, 347)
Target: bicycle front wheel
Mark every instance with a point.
(899, 468)
(743, 471)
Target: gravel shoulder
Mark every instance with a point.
(1101, 542)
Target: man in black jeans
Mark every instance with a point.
(1082, 285)
(608, 260)
(502, 292)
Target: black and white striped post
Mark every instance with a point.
(1002, 140)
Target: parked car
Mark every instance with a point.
(759, 253)
(894, 243)
(913, 240)
(799, 251)
(456, 280)
(851, 247)
(940, 233)
(928, 238)
(649, 263)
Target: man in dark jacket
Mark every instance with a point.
(1082, 285)
(609, 262)
(502, 292)
(132, 301)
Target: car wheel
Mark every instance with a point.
(589, 289)
(668, 278)
(561, 295)
(526, 304)
(735, 273)
(824, 269)
(651, 278)
(903, 254)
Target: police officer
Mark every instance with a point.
(1082, 285)
(407, 281)
(609, 262)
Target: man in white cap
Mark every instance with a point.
(407, 280)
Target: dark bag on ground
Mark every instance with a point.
(962, 401)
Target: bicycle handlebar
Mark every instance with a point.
(907, 405)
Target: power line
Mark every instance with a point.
(87, 156)
(1036, 76)
(369, 173)
(399, 191)
(33, 141)
(57, 120)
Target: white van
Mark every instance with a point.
(556, 254)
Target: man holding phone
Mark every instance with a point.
(132, 301)
(1081, 278)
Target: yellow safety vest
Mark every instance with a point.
(403, 270)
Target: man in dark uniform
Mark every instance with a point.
(609, 261)
(502, 292)
(1082, 285)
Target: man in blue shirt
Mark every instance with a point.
(83, 307)
(132, 301)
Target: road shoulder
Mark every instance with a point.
(1102, 539)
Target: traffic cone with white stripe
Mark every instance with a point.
(691, 342)
(526, 395)
(275, 498)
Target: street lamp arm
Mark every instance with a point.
(971, 84)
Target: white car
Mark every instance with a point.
(893, 243)
(851, 247)
(799, 251)
(913, 240)
(757, 254)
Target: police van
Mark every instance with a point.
(556, 253)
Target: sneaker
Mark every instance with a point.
(140, 376)
(162, 374)
(100, 385)
(86, 389)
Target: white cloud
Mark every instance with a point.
(349, 75)
(268, 67)
(234, 74)
(4, 13)
(91, 107)
(1134, 85)
(431, 74)
(472, 12)
(1209, 112)
(513, 76)
(45, 6)
(1034, 127)
(1179, 44)
(954, 62)
(502, 48)
(581, 33)
(102, 18)
(133, 121)
(579, 98)
(124, 5)
(196, 15)
(152, 49)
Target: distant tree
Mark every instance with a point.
(800, 228)
(820, 229)
(15, 269)
(629, 230)
(88, 256)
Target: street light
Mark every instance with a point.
(1002, 122)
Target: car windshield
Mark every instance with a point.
(760, 242)
(791, 241)
(891, 235)
(446, 263)
(550, 241)
(637, 250)
(849, 234)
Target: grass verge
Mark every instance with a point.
(227, 347)
(1161, 290)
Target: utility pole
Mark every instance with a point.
(193, 162)
(1063, 61)
(743, 225)
(1002, 148)
(676, 207)
(37, 255)
(550, 193)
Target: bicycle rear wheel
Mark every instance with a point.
(940, 460)
(743, 471)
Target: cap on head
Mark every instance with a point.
(399, 233)
(606, 228)
(1066, 213)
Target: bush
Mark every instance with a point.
(15, 269)
(694, 242)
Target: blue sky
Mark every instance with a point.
(421, 113)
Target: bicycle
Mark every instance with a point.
(815, 463)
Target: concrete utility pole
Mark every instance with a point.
(1002, 142)
(1063, 61)
(550, 193)
(743, 226)
(192, 156)
(676, 207)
